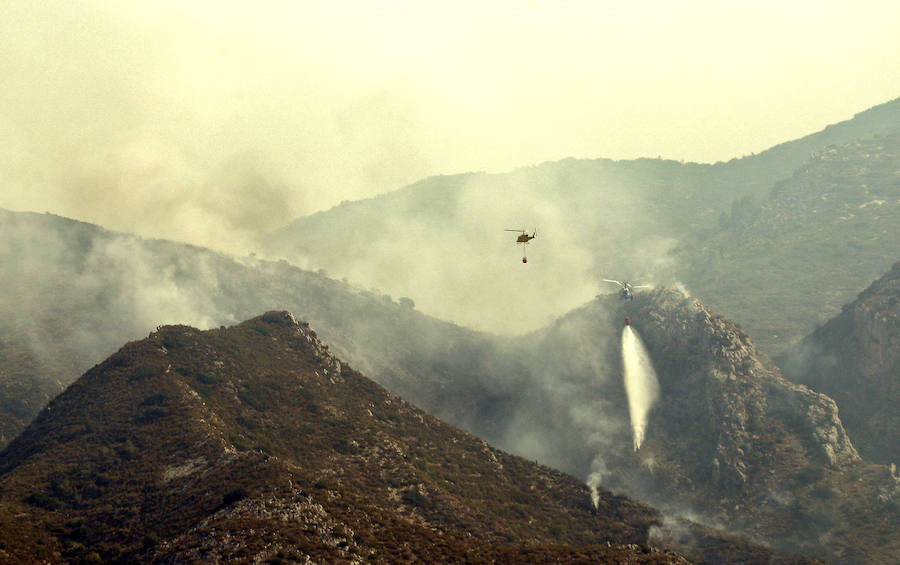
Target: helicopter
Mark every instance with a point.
(627, 288)
(524, 238)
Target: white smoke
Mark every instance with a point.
(641, 385)
(598, 471)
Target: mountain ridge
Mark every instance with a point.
(645, 219)
(255, 443)
(854, 359)
(559, 390)
(730, 441)
(788, 264)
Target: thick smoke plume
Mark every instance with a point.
(641, 385)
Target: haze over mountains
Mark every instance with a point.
(730, 441)
(650, 220)
(254, 443)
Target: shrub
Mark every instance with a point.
(278, 318)
(61, 488)
(345, 447)
(174, 339)
(150, 540)
(149, 368)
(207, 378)
(43, 500)
(810, 474)
(415, 498)
(150, 415)
(234, 495)
(127, 451)
(154, 400)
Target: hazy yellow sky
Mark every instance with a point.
(191, 120)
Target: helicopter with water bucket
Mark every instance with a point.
(627, 288)
(524, 238)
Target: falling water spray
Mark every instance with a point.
(641, 385)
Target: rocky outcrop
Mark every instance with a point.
(818, 424)
(735, 391)
(738, 444)
(855, 359)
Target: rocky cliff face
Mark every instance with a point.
(855, 359)
(735, 442)
(742, 395)
(729, 442)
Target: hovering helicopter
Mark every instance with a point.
(627, 288)
(524, 238)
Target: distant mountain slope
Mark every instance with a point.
(855, 359)
(37, 263)
(786, 265)
(74, 291)
(441, 242)
(762, 170)
(254, 444)
(554, 396)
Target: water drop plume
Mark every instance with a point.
(641, 385)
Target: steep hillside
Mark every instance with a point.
(73, 292)
(729, 442)
(759, 172)
(743, 446)
(254, 444)
(554, 396)
(855, 359)
(789, 264)
(440, 240)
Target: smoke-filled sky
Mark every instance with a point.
(210, 121)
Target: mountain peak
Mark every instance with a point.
(215, 441)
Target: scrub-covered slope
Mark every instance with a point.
(255, 443)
